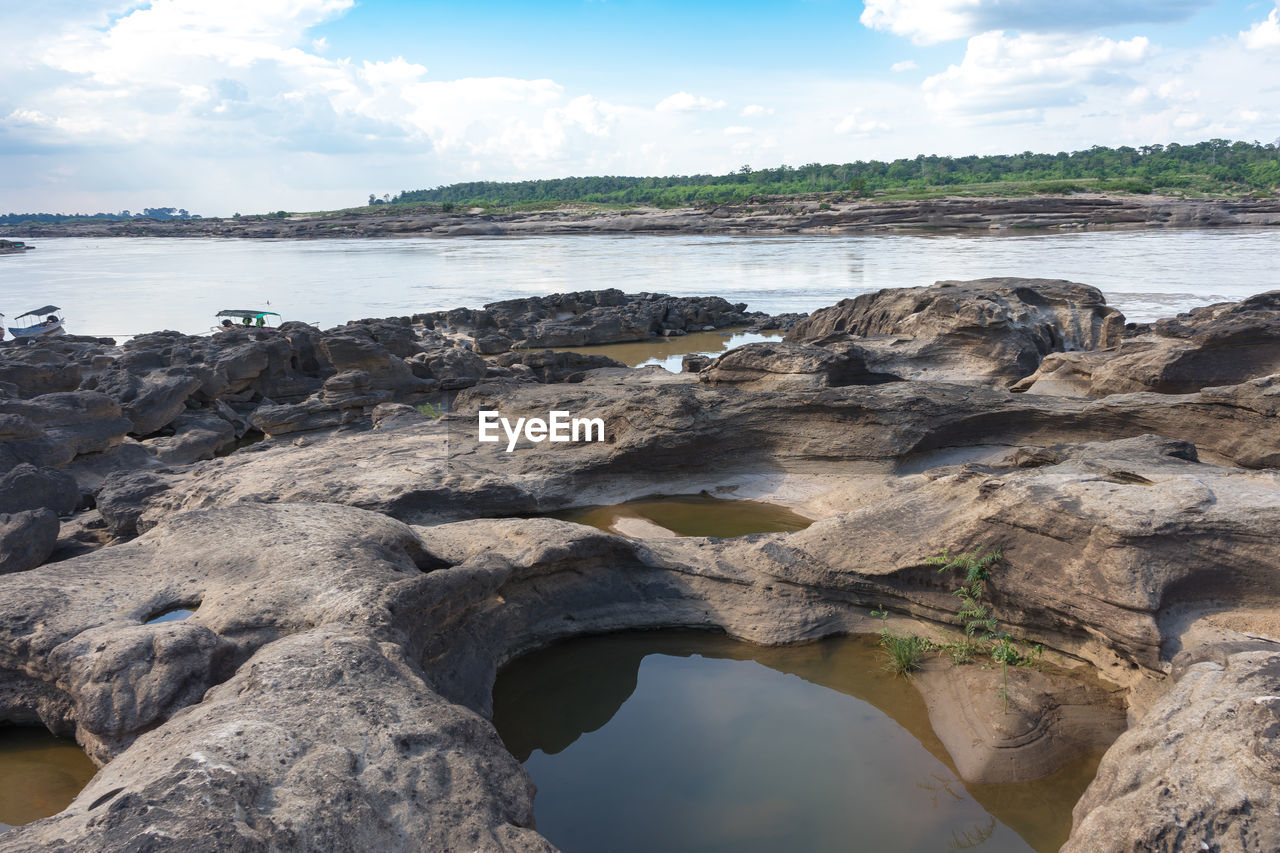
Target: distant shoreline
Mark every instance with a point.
(790, 215)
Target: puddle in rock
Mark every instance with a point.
(39, 774)
(176, 615)
(250, 438)
(684, 741)
(687, 515)
(667, 352)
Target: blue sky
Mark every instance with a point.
(252, 105)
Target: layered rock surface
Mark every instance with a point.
(811, 215)
(1224, 344)
(590, 317)
(331, 689)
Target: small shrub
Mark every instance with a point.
(902, 652)
(429, 410)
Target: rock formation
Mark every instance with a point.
(359, 576)
(989, 330)
(1223, 344)
(593, 317)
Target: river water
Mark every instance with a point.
(124, 286)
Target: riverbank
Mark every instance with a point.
(798, 215)
(358, 565)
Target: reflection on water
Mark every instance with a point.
(682, 741)
(667, 353)
(39, 774)
(176, 615)
(690, 515)
(125, 286)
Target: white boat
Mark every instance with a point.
(40, 322)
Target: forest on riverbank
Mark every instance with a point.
(1217, 167)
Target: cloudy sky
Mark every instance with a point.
(256, 105)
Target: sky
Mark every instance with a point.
(223, 106)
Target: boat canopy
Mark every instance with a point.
(253, 315)
(48, 309)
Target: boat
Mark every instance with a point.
(13, 247)
(247, 319)
(40, 322)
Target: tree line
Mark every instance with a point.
(1217, 165)
(160, 213)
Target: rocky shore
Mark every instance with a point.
(791, 215)
(361, 565)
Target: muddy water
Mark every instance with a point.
(668, 352)
(682, 741)
(39, 774)
(688, 515)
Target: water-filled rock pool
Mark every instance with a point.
(686, 741)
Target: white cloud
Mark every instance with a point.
(858, 126)
(930, 21)
(683, 102)
(1003, 78)
(219, 106)
(904, 65)
(1264, 34)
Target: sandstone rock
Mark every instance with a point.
(53, 429)
(776, 364)
(1224, 344)
(1201, 771)
(551, 366)
(1049, 719)
(492, 344)
(27, 487)
(694, 363)
(313, 758)
(26, 539)
(197, 435)
(150, 401)
(450, 367)
(121, 499)
(385, 371)
(589, 317)
(988, 330)
(38, 370)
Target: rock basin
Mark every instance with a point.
(696, 742)
(688, 515)
(39, 774)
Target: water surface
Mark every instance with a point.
(681, 741)
(175, 615)
(39, 774)
(668, 353)
(123, 286)
(691, 515)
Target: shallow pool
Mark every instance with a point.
(39, 774)
(689, 515)
(669, 353)
(685, 741)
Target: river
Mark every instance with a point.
(123, 286)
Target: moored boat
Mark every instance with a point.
(35, 327)
(252, 319)
(13, 247)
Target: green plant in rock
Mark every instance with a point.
(1004, 652)
(974, 614)
(430, 410)
(902, 652)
